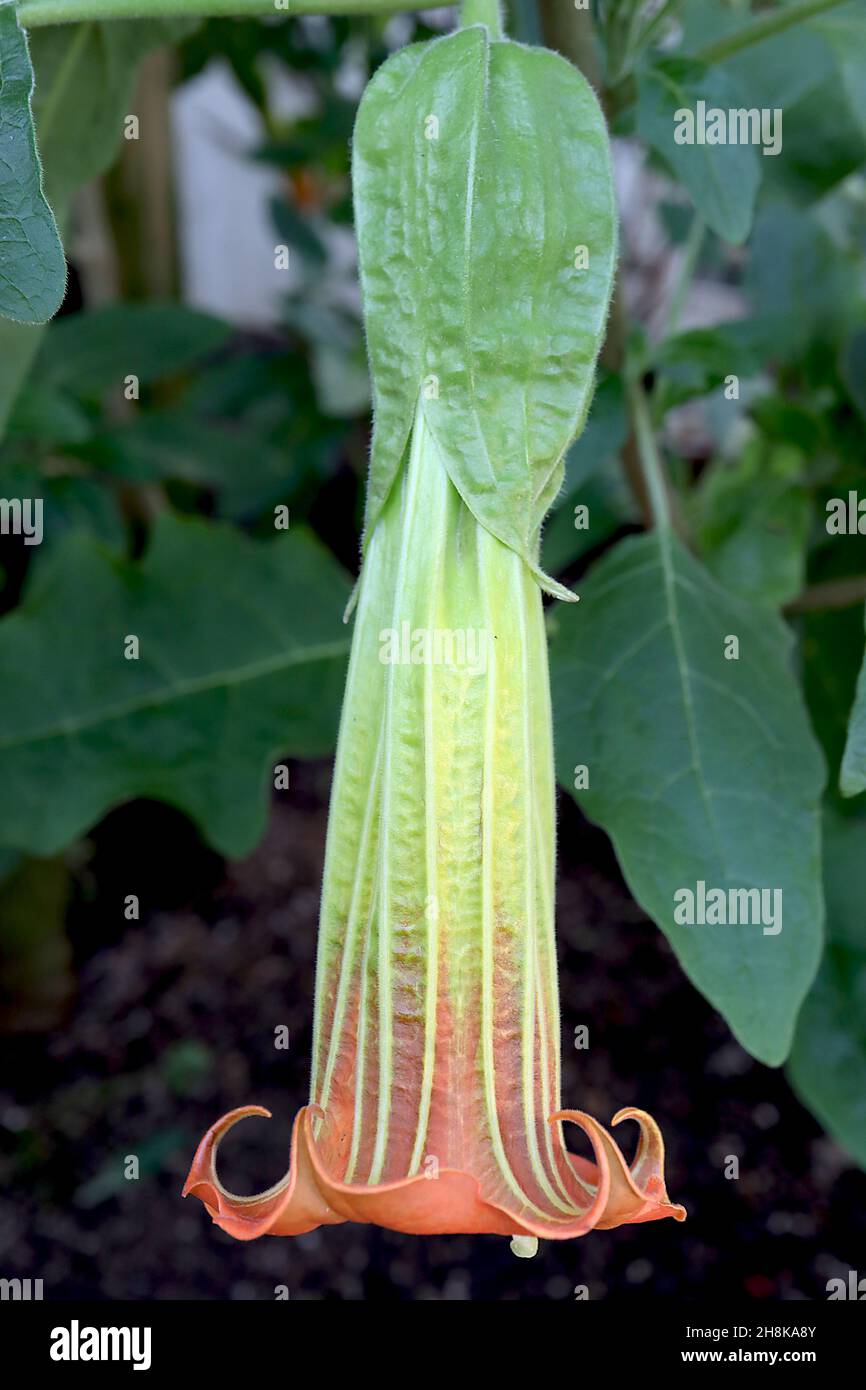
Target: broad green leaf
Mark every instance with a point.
(84, 79)
(827, 1067)
(341, 380)
(299, 232)
(853, 366)
(832, 643)
(852, 777)
(831, 648)
(32, 263)
(603, 435)
(700, 769)
(69, 503)
(248, 473)
(609, 506)
(593, 480)
(242, 657)
(793, 262)
(160, 445)
(844, 31)
(722, 180)
(88, 353)
(782, 70)
(696, 362)
(48, 416)
(753, 517)
(824, 142)
(480, 168)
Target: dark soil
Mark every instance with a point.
(174, 1023)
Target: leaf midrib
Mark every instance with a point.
(214, 680)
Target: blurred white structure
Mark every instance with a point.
(227, 236)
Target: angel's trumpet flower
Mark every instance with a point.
(435, 1093)
(435, 1102)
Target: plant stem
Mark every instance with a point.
(571, 33)
(34, 14)
(834, 593)
(648, 454)
(667, 11)
(482, 12)
(641, 461)
(763, 26)
(691, 252)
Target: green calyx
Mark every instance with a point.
(487, 242)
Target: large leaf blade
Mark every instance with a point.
(32, 263)
(852, 776)
(700, 769)
(241, 658)
(87, 353)
(827, 1067)
(723, 180)
(84, 77)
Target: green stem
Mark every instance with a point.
(650, 460)
(482, 12)
(667, 11)
(632, 35)
(833, 593)
(34, 14)
(691, 253)
(763, 26)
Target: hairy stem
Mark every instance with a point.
(33, 14)
(482, 12)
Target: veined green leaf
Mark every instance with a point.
(827, 1067)
(853, 369)
(84, 76)
(32, 263)
(89, 352)
(752, 516)
(844, 31)
(480, 171)
(241, 658)
(700, 769)
(852, 777)
(723, 180)
(792, 260)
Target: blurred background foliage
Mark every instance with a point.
(160, 500)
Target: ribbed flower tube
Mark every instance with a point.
(435, 1097)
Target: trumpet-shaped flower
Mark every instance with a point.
(435, 1099)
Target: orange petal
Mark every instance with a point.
(451, 1201)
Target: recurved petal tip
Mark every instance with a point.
(291, 1207)
(627, 1193)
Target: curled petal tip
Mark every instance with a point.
(632, 1192)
